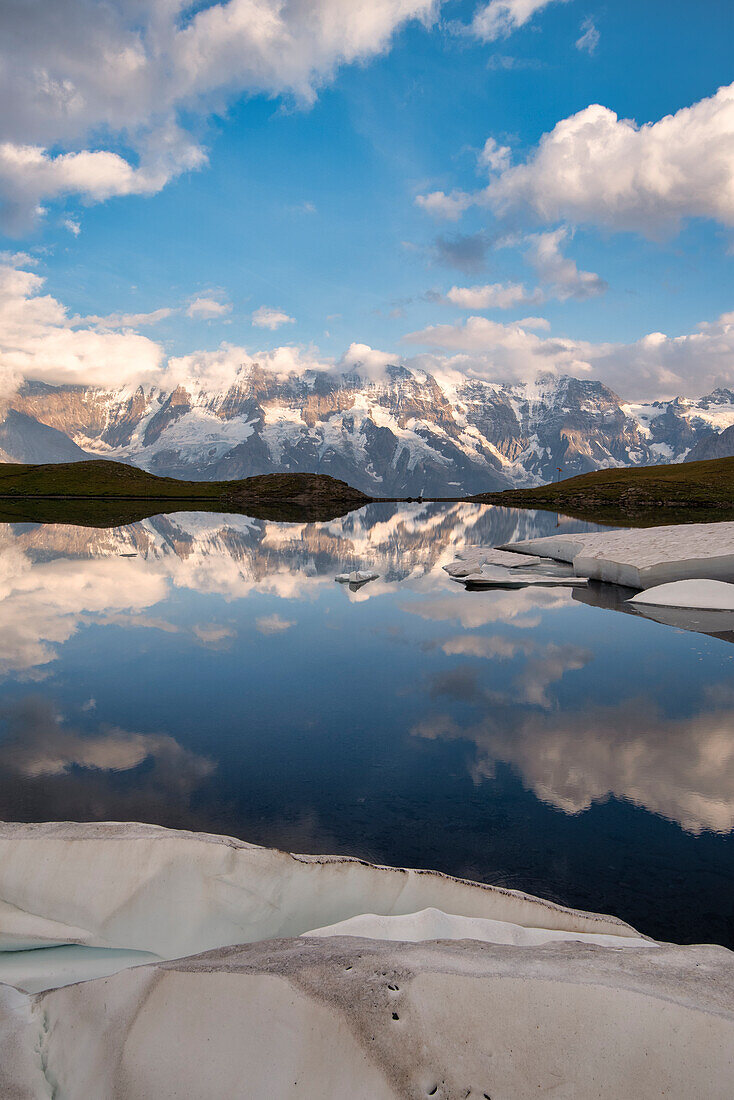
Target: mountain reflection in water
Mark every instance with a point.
(204, 671)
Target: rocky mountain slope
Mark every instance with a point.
(713, 445)
(408, 434)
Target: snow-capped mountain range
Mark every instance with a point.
(407, 434)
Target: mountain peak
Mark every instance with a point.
(404, 433)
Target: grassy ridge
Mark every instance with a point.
(687, 492)
(102, 493)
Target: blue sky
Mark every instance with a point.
(309, 185)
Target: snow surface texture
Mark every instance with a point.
(406, 434)
(504, 569)
(703, 595)
(330, 1018)
(643, 558)
(473, 560)
(512, 996)
(434, 924)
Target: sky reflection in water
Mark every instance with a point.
(206, 672)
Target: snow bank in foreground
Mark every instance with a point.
(144, 888)
(706, 595)
(325, 1019)
(641, 558)
(433, 924)
(508, 995)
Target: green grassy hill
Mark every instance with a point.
(687, 492)
(99, 492)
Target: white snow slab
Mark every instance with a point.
(434, 924)
(462, 567)
(694, 594)
(473, 563)
(141, 888)
(325, 1019)
(642, 558)
(518, 997)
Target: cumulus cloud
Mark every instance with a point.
(366, 361)
(559, 277)
(500, 18)
(265, 317)
(490, 296)
(273, 624)
(494, 157)
(30, 175)
(39, 340)
(204, 309)
(39, 744)
(680, 768)
(656, 366)
(447, 207)
(596, 168)
(72, 72)
(559, 274)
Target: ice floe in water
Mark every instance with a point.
(641, 558)
(267, 992)
(702, 595)
(357, 578)
(472, 562)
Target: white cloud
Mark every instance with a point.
(493, 647)
(559, 277)
(596, 168)
(366, 361)
(264, 317)
(490, 296)
(39, 340)
(273, 624)
(589, 38)
(680, 768)
(203, 309)
(494, 157)
(69, 71)
(559, 274)
(73, 225)
(500, 18)
(447, 207)
(29, 174)
(655, 366)
(128, 320)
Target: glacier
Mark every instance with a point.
(407, 434)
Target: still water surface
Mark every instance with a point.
(205, 672)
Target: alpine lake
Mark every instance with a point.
(204, 671)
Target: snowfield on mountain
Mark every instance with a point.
(408, 434)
